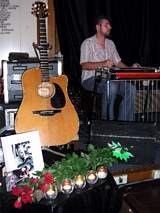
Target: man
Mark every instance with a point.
(23, 156)
(100, 51)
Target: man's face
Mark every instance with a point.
(21, 152)
(104, 27)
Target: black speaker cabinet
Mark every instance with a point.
(141, 139)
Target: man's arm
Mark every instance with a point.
(107, 63)
(95, 65)
(122, 65)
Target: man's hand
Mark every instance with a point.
(108, 63)
(136, 65)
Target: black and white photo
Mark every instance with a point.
(22, 153)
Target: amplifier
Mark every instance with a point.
(12, 73)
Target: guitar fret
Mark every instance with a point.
(44, 56)
(44, 62)
(44, 65)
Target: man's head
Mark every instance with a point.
(102, 25)
(20, 151)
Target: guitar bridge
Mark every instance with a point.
(46, 112)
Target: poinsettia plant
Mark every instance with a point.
(25, 191)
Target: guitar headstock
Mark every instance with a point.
(39, 9)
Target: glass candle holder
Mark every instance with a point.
(102, 172)
(91, 177)
(67, 186)
(52, 192)
(80, 181)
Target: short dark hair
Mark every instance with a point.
(98, 19)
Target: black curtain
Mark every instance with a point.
(135, 30)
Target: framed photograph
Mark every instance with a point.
(22, 154)
(22, 149)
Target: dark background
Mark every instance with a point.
(135, 30)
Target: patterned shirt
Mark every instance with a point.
(91, 51)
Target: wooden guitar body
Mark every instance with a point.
(54, 117)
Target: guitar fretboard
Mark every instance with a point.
(43, 48)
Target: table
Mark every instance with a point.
(103, 197)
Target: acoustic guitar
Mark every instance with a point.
(46, 106)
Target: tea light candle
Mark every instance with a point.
(52, 192)
(80, 181)
(102, 172)
(92, 177)
(67, 186)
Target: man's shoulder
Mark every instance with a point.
(88, 40)
(110, 41)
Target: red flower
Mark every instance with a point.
(43, 187)
(28, 190)
(26, 198)
(34, 180)
(48, 178)
(25, 191)
(16, 191)
(18, 203)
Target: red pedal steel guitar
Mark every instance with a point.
(46, 106)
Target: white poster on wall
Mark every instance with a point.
(18, 28)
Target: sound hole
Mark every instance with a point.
(45, 90)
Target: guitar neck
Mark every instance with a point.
(43, 49)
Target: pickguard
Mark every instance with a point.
(58, 100)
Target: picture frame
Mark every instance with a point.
(22, 156)
(22, 150)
